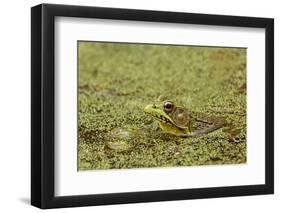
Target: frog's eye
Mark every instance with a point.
(168, 106)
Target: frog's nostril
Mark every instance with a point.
(153, 106)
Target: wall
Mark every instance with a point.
(15, 105)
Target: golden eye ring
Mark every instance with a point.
(168, 106)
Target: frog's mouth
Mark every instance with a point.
(157, 113)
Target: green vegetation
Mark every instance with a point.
(116, 82)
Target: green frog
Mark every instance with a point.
(180, 121)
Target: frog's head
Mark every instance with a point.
(169, 113)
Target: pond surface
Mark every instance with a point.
(116, 82)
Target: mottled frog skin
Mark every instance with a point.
(180, 121)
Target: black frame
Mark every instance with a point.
(42, 105)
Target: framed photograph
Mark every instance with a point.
(139, 106)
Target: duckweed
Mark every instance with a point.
(116, 81)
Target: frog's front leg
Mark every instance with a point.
(174, 130)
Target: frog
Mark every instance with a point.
(182, 122)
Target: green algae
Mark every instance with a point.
(116, 81)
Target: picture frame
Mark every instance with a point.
(43, 116)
